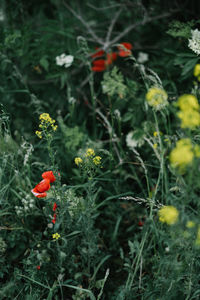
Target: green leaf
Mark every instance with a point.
(44, 63)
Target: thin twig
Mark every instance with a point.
(143, 22)
(103, 8)
(109, 128)
(112, 24)
(89, 29)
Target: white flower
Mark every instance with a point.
(72, 100)
(133, 140)
(130, 142)
(117, 114)
(64, 60)
(142, 57)
(50, 225)
(194, 43)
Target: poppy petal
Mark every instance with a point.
(126, 53)
(122, 49)
(99, 63)
(98, 53)
(49, 175)
(54, 207)
(98, 69)
(125, 45)
(110, 58)
(38, 195)
(43, 186)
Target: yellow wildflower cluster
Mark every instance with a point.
(97, 160)
(168, 214)
(197, 71)
(88, 159)
(39, 134)
(78, 161)
(189, 111)
(56, 236)
(190, 224)
(183, 154)
(157, 98)
(90, 152)
(46, 122)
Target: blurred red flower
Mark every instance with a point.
(40, 189)
(100, 65)
(54, 206)
(125, 49)
(49, 175)
(140, 223)
(54, 219)
(98, 53)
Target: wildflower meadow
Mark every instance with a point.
(100, 150)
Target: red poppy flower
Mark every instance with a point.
(54, 219)
(38, 267)
(125, 49)
(100, 65)
(40, 189)
(38, 195)
(49, 175)
(140, 223)
(110, 58)
(98, 53)
(54, 206)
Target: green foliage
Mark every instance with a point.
(113, 83)
(95, 232)
(181, 29)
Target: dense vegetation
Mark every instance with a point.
(100, 150)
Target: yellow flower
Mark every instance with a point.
(189, 118)
(78, 161)
(97, 160)
(56, 236)
(183, 154)
(157, 98)
(90, 152)
(54, 127)
(168, 214)
(39, 134)
(47, 121)
(190, 224)
(188, 101)
(197, 71)
(45, 116)
(156, 133)
(197, 150)
(155, 145)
